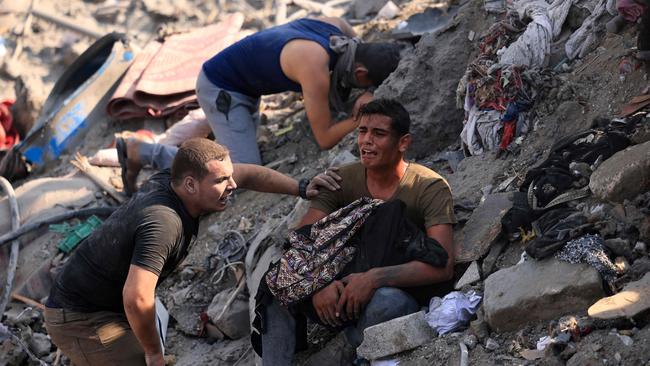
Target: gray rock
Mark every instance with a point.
(235, 322)
(537, 291)
(483, 228)
(640, 248)
(470, 276)
(491, 345)
(40, 344)
(624, 175)
(479, 328)
(335, 353)
(185, 312)
(187, 274)
(11, 353)
(470, 341)
(633, 300)
(619, 247)
(640, 267)
(394, 336)
(474, 173)
(361, 8)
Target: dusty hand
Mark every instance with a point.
(328, 180)
(324, 302)
(359, 288)
(154, 359)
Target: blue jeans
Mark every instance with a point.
(236, 130)
(278, 342)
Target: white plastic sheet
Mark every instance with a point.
(452, 311)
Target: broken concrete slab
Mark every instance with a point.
(490, 261)
(394, 336)
(632, 301)
(538, 291)
(234, 322)
(623, 176)
(470, 276)
(483, 228)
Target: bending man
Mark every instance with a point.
(317, 57)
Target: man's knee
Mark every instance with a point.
(390, 302)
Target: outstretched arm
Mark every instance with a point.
(262, 179)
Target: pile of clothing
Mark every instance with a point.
(499, 88)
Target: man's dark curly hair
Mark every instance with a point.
(400, 119)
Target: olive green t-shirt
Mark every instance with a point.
(426, 194)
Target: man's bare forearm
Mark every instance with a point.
(262, 179)
(414, 273)
(141, 314)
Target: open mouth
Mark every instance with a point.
(366, 153)
(225, 198)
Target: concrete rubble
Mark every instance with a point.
(210, 299)
(538, 290)
(483, 228)
(394, 336)
(623, 176)
(630, 302)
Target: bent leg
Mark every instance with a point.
(157, 156)
(101, 338)
(387, 303)
(279, 340)
(237, 130)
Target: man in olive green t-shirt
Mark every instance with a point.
(371, 297)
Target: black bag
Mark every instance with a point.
(553, 177)
(554, 229)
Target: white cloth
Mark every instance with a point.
(195, 124)
(452, 311)
(534, 45)
(583, 40)
(482, 131)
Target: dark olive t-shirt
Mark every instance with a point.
(153, 230)
(426, 194)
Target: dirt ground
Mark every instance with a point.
(425, 83)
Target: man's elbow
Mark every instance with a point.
(133, 301)
(325, 143)
(448, 273)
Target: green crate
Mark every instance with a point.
(75, 234)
